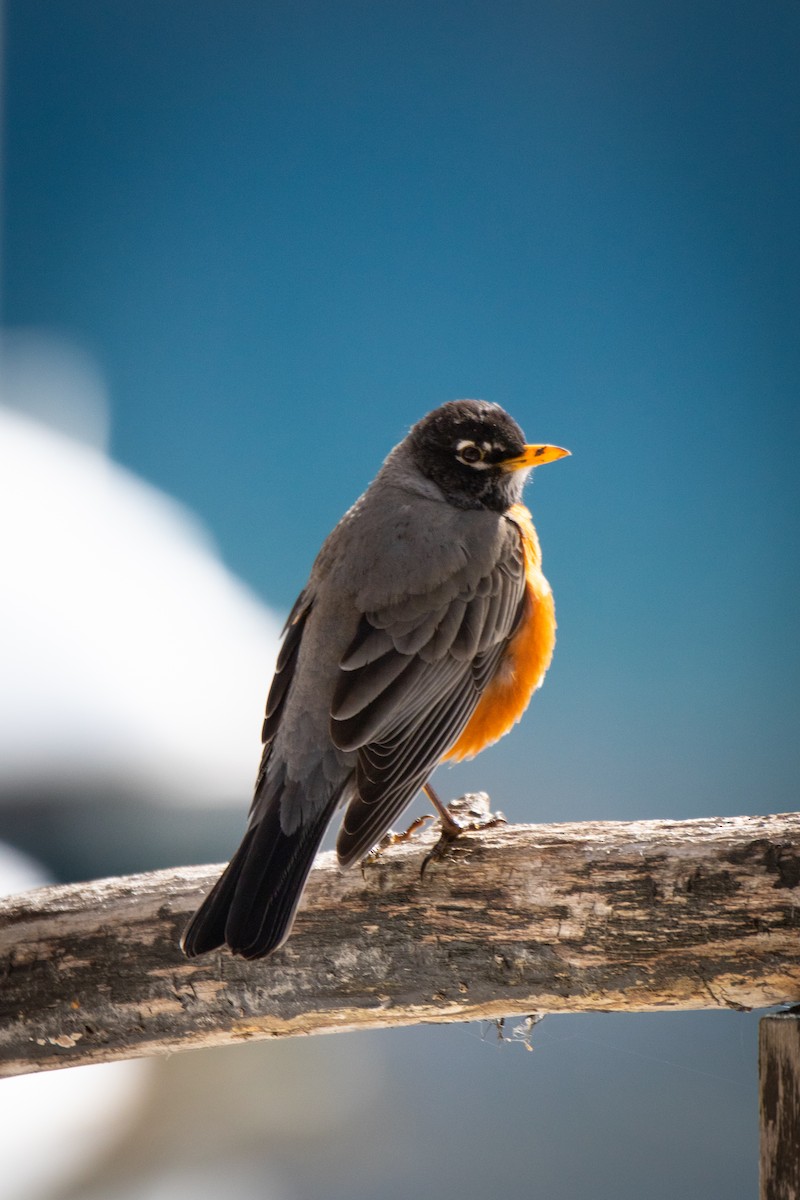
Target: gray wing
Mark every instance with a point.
(278, 693)
(409, 683)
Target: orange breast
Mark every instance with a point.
(526, 659)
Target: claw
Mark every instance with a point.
(394, 839)
(469, 813)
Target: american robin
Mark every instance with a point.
(423, 631)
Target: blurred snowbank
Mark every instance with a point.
(55, 1126)
(128, 648)
(19, 872)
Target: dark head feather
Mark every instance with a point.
(442, 441)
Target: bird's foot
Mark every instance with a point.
(392, 838)
(467, 814)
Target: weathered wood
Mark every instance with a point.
(779, 1078)
(640, 916)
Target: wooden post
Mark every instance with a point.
(779, 1078)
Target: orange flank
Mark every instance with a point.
(526, 659)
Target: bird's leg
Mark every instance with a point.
(474, 805)
(450, 825)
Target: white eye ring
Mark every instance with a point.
(470, 454)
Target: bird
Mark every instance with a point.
(425, 627)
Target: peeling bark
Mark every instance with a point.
(637, 916)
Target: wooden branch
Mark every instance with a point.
(779, 1080)
(646, 915)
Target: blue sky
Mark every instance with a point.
(285, 231)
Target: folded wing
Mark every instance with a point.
(411, 679)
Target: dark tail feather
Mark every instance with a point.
(206, 930)
(252, 905)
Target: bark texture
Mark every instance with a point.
(515, 920)
(779, 1078)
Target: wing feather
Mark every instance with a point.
(403, 709)
(368, 644)
(356, 691)
(284, 668)
(366, 721)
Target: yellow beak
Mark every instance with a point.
(534, 456)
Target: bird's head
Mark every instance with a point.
(476, 453)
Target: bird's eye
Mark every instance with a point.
(468, 452)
